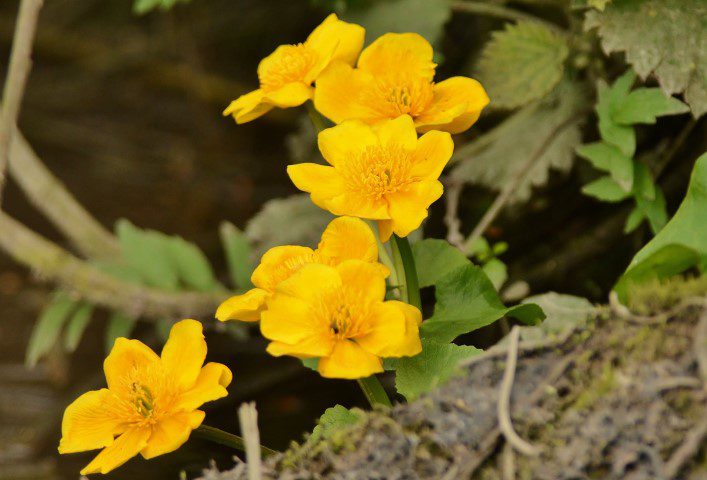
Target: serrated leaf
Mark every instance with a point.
(466, 301)
(621, 136)
(606, 189)
(437, 363)
(119, 325)
(378, 17)
(47, 329)
(334, 419)
(687, 229)
(193, 268)
(434, 259)
(563, 312)
(147, 252)
(660, 37)
(610, 159)
(522, 63)
(293, 220)
(643, 105)
(76, 326)
(517, 140)
(239, 255)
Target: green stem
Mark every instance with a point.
(318, 121)
(407, 274)
(216, 435)
(374, 391)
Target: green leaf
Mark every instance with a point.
(148, 253)
(466, 301)
(293, 220)
(621, 136)
(437, 363)
(192, 266)
(334, 419)
(687, 228)
(522, 63)
(644, 105)
(48, 327)
(605, 189)
(563, 312)
(608, 158)
(502, 160)
(77, 326)
(141, 7)
(426, 17)
(434, 259)
(119, 325)
(239, 255)
(665, 262)
(660, 37)
(654, 210)
(634, 220)
(496, 271)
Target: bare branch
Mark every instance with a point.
(248, 417)
(51, 262)
(18, 71)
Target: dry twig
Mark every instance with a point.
(20, 66)
(248, 417)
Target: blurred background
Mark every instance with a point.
(125, 109)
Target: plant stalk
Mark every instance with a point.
(216, 435)
(318, 121)
(374, 391)
(407, 273)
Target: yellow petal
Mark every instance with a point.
(399, 131)
(307, 284)
(337, 40)
(364, 278)
(322, 182)
(349, 360)
(385, 230)
(348, 238)
(278, 263)
(184, 353)
(358, 204)
(338, 143)
(210, 385)
(311, 347)
(339, 92)
(434, 149)
(288, 320)
(246, 307)
(386, 331)
(456, 106)
(171, 432)
(126, 357)
(248, 107)
(289, 95)
(90, 422)
(408, 208)
(398, 52)
(120, 451)
(409, 344)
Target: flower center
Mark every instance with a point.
(397, 95)
(378, 170)
(343, 315)
(289, 63)
(142, 399)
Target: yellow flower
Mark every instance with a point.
(150, 405)
(395, 77)
(286, 75)
(343, 239)
(338, 314)
(381, 172)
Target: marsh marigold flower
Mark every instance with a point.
(344, 238)
(338, 314)
(286, 75)
(382, 172)
(395, 77)
(150, 405)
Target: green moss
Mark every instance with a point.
(599, 388)
(660, 295)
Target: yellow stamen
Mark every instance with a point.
(378, 170)
(291, 63)
(397, 95)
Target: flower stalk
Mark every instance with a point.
(407, 273)
(374, 391)
(216, 435)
